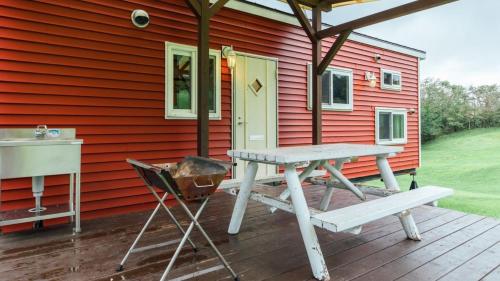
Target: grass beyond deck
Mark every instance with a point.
(468, 162)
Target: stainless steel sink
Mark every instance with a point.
(36, 153)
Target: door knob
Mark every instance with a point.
(241, 123)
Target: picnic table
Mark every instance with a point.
(348, 219)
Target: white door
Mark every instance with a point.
(255, 108)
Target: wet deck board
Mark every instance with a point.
(269, 247)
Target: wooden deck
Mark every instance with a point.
(455, 246)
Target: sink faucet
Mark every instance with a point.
(40, 131)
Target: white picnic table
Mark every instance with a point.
(349, 219)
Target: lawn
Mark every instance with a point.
(468, 162)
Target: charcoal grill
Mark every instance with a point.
(192, 179)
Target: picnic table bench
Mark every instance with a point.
(348, 219)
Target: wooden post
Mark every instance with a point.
(203, 11)
(203, 77)
(316, 79)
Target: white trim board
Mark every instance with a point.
(281, 16)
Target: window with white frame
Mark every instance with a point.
(391, 80)
(181, 82)
(390, 126)
(337, 89)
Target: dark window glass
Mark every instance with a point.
(182, 82)
(326, 87)
(384, 125)
(396, 80)
(212, 90)
(387, 78)
(340, 89)
(398, 129)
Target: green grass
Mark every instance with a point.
(468, 162)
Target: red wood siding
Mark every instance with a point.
(82, 64)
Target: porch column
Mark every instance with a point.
(316, 79)
(203, 11)
(203, 77)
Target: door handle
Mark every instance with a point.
(241, 123)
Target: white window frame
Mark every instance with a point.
(399, 111)
(170, 113)
(392, 87)
(332, 106)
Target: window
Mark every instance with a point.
(181, 82)
(391, 80)
(337, 90)
(390, 126)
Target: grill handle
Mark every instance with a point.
(203, 185)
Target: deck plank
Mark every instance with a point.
(443, 248)
(493, 275)
(450, 260)
(478, 267)
(378, 256)
(269, 247)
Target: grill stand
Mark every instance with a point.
(194, 222)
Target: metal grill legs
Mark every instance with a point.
(194, 222)
(150, 219)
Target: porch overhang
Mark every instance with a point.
(204, 10)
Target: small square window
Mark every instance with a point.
(256, 85)
(391, 126)
(337, 89)
(391, 80)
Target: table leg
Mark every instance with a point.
(72, 195)
(385, 170)
(409, 226)
(77, 204)
(349, 185)
(305, 173)
(318, 265)
(327, 197)
(242, 198)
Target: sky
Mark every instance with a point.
(462, 39)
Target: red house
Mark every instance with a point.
(131, 92)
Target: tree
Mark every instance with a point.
(449, 108)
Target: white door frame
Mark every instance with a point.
(233, 104)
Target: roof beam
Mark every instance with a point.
(389, 14)
(327, 4)
(309, 3)
(301, 17)
(195, 7)
(215, 7)
(334, 49)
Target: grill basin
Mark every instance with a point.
(195, 178)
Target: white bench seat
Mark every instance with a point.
(353, 216)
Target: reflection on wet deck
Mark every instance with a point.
(268, 247)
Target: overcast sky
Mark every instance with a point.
(462, 39)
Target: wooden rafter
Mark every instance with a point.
(195, 6)
(334, 49)
(389, 14)
(309, 3)
(301, 17)
(215, 7)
